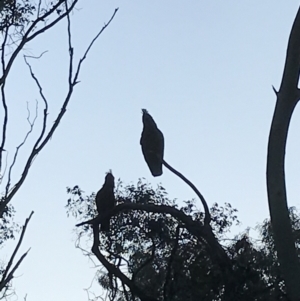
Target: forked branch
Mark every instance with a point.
(9, 273)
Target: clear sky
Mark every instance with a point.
(203, 69)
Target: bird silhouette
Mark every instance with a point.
(152, 142)
(105, 200)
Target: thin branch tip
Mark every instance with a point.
(276, 92)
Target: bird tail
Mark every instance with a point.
(105, 225)
(156, 170)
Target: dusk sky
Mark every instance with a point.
(203, 69)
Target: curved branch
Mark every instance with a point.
(207, 217)
(200, 231)
(287, 98)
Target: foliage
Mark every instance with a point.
(163, 259)
(16, 13)
(7, 226)
(168, 263)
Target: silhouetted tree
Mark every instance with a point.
(161, 257)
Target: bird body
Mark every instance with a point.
(152, 142)
(105, 200)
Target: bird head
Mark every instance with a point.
(147, 118)
(109, 178)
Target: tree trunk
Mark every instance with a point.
(287, 98)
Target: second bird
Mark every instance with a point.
(105, 200)
(152, 142)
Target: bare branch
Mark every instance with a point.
(26, 37)
(11, 274)
(5, 119)
(31, 126)
(207, 217)
(37, 148)
(90, 46)
(5, 167)
(276, 92)
(35, 57)
(71, 50)
(45, 103)
(7, 277)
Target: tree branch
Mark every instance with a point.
(197, 229)
(7, 276)
(31, 126)
(5, 118)
(40, 144)
(207, 217)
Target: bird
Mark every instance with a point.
(152, 142)
(105, 200)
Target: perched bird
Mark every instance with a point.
(105, 199)
(152, 142)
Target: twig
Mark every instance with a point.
(31, 124)
(207, 217)
(35, 57)
(45, 103)
(91, 44)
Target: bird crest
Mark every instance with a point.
(109, 178)
(147, 119)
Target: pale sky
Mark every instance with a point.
(203, 69)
